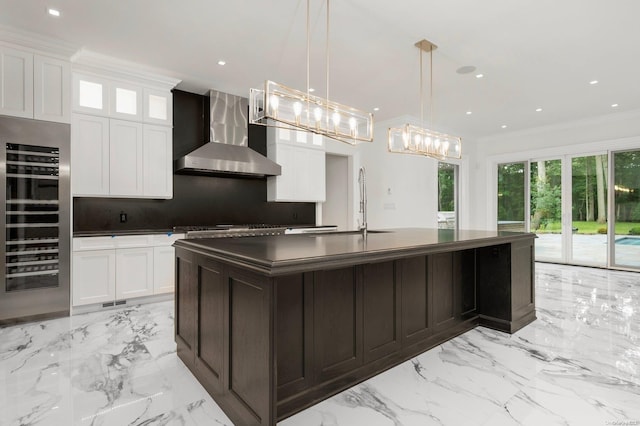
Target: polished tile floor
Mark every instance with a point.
(578, 364)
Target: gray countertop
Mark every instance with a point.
(277, 255)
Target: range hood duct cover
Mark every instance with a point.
(227, 152)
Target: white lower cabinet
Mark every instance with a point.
(134, 272)
(164, 269)
(109, 269)
(94, 275)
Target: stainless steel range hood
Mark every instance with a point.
(227, 151)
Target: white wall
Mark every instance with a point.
(618, 131)
(402, 189)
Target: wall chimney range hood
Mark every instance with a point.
(227, 152)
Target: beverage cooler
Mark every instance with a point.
(36, 210)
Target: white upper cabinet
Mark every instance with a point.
(158, 106)
(89, 155)
(90, 94)
(123, 100)
(139, 142)
(125, 158)
(126, 101)
(120, 158)
(52, 89)
(16, 85)
(302, 158)
(157, 161)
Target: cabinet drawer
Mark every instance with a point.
(93, 243)
(111, 242)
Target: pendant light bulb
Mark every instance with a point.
(273, 100)
(317, 114)
(335, 117)
(297, 109)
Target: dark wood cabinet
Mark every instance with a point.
(381, 310)
(267, 346)
(223, 332)
(337, 311)
(294, 334)
(209, 353)
(416, 322)
(504, 278)
(186, 302)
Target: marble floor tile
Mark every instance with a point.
(577, 364)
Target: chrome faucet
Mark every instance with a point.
(363, 201)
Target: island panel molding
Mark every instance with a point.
(272, 325)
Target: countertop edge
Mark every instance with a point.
(277, 268)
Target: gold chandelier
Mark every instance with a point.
(277, 105)
(418, 140)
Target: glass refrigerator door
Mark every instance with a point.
(32, 217)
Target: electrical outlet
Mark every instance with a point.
(123, 217)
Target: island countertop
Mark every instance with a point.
(277, 255)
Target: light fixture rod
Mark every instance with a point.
(426, 46)
(308, 60)
(327, 61)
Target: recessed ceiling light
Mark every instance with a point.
(592, 82)
(222, 62)
(53, 12)
(504, 126)
(538, 109)
(469, 113)
(479, 75)
(376, 109)
(466, 69)
(614, 105)
(311, 89)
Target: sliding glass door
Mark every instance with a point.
(585, 209)
(512, 197)
(546, 209)
(447, 196)
(589, 210)
(625, 227)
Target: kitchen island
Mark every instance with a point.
(272, 325)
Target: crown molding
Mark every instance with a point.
(96, 63)
(36, 43)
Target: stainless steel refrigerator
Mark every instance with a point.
(35, 203)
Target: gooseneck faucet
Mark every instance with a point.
(363, 201)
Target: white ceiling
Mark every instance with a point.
(533, 53)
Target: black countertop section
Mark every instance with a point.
(122, 232)
(278, 255)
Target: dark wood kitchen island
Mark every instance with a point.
(272, 325)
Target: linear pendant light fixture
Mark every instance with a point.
(418, 140)
(280, 106)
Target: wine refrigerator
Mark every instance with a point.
(35, 206)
